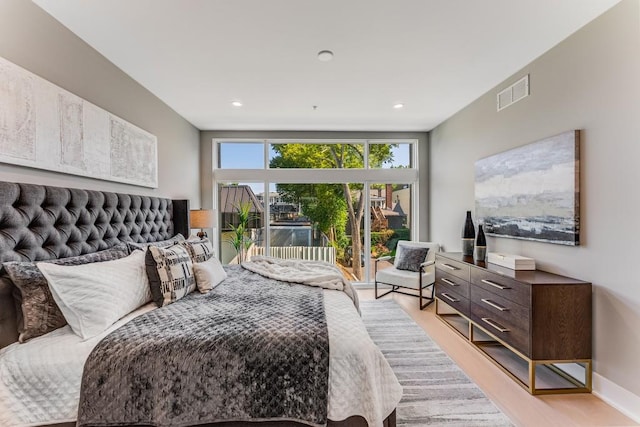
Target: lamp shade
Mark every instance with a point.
(202, 218)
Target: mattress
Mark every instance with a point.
(40, 380)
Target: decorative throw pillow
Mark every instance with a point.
(160, 244)
(209, 274)
(200, 250)
(170, 272)
(409, 258)
(39, 312)
(94, 296)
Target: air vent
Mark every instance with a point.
(513, 93)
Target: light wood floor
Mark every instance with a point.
(523, 408)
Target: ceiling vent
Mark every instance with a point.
(513, 93)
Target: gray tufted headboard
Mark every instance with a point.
(38, 222)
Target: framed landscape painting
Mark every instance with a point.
(532, 192)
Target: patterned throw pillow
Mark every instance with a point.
(40, 313)
(409, 258)
(200, 250)
(170, 272)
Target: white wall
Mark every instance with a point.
(591, 82)
(32, 39)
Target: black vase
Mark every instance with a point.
(468, 236)
(481, 245)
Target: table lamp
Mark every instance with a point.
(202, 218)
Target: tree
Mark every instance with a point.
(323, 203)
(325, 206)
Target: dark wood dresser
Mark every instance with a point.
(536, 326)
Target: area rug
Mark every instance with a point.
(436, 391)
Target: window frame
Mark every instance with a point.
(365, 175)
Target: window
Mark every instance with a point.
(345, 202)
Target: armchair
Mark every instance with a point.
(409, 272)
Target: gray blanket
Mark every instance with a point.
(252, 349)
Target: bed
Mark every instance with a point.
(40, 379)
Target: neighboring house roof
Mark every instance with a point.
(397, 208)
(232, 195)
(389, 213)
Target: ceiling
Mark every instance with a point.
(433, 56)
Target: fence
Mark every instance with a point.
(314, 253)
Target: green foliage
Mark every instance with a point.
(380, 237)
(398, 234)
(402, 234)
(239, 239)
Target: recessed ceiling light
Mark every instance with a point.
(398, 106)
(325, 55)
(236, 104)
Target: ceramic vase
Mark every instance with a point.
(481, 245)
(468, 236)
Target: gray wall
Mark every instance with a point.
(32, 39)
(590, 81)
(206, 165)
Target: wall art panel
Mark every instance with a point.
(532, 192)
(46, 127)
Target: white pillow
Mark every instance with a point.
(93, 296)
(208, 274)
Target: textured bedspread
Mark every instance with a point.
(311, 273)
(254, 349)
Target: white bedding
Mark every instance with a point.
(40, 380)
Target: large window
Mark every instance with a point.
(345, 202)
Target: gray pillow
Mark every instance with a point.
(410, 258)
(40, 313)
(159, 244)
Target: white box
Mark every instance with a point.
(514, 262)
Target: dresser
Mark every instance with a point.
(535, 325)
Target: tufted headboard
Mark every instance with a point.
(38, 222)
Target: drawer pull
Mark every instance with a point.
(449, 282)
(494, 325)
(449, 297)
(494, 284)
(450, 267)
(493, 304)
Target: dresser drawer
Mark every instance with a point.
(504, 330)
(452, 283)
(503, 286)
(506, 311)
(455, 268)
(453, 300)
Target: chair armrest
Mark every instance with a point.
(425, 265)
(383, 258)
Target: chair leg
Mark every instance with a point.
(429, 300)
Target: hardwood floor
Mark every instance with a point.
(523, 409)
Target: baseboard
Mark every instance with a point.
(620, 398)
